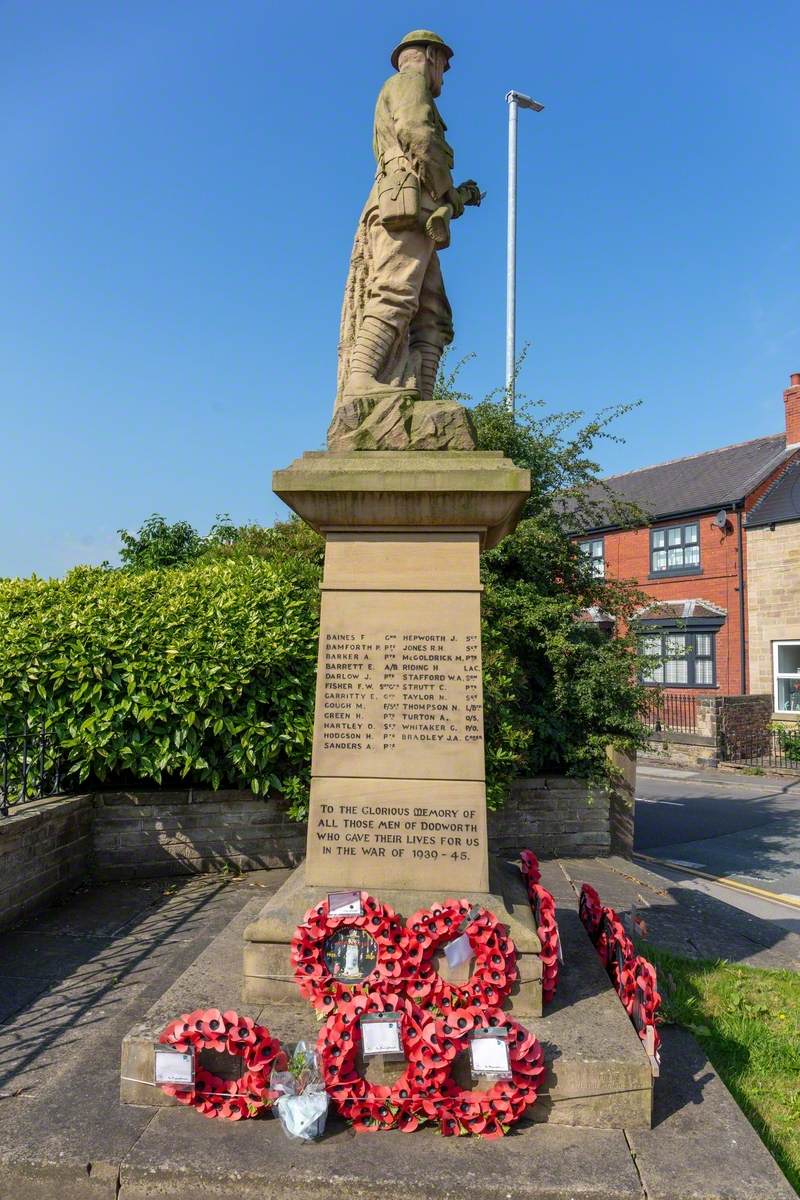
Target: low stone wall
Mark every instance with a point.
(141, 834)
(552, 815)
(723, 724)
(683, 749)
(45, 850)
(54, 845)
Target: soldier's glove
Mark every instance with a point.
(453, 197)
(470, 192)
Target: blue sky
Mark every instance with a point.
(182, 183)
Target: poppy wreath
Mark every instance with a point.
(210, 1029)
(373, 1107)
(590, 910)
(495, 957)
(529, 865)
(645, 993)
(610, 934)
(544, 915)
(490, 1114)
(311, 971)
(619, 947)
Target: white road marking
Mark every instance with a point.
(670, 803)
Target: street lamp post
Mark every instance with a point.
(515, 100)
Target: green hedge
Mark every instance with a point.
(202, 674)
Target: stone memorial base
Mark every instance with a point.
(268, 977)
(398, 792)
(598, 1074)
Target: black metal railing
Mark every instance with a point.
(30, 763)
(765, 748)
(677, 713)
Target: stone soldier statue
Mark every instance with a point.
(396, 318)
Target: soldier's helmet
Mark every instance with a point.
(421, 37)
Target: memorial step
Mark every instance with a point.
(598, 1073)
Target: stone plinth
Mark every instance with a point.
(398, 794)
(398, 781)
(268, 976)
(416, 489)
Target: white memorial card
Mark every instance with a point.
(344, 904)
(380, 1034)
(489, 1054)
(458, 951)
(173, 1066)
(650, 1050)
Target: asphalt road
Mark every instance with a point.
(740, 827)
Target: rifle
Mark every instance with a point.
(437, 225)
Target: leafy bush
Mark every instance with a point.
(788, 739)
(558, 690)
(159, 544)
(203, 674)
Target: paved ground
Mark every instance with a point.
(741, 827)
(75, 979)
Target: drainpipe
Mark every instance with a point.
(739, 508)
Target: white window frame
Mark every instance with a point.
(777, 675)
(596, 560)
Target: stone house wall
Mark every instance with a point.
(773, 582)
(741, 721)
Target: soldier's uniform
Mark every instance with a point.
(406, 283)
(400, 283)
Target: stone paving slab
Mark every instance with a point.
(83, 916)
(18, 993)
(701, 1146)
(546, 1162)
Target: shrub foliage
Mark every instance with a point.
(202, 674)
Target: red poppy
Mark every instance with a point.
(590, 910)
(314, 978)
(529, 865)
(487, 1113)
(242, 1032)
(370, 1106)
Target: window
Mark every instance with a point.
(594, 552)
(786, 671)
(685, 659)
(675, 551)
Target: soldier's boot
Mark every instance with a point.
(373, 345)
(429, 357)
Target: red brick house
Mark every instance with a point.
(692, 557)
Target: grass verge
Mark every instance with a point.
(748, 1022)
